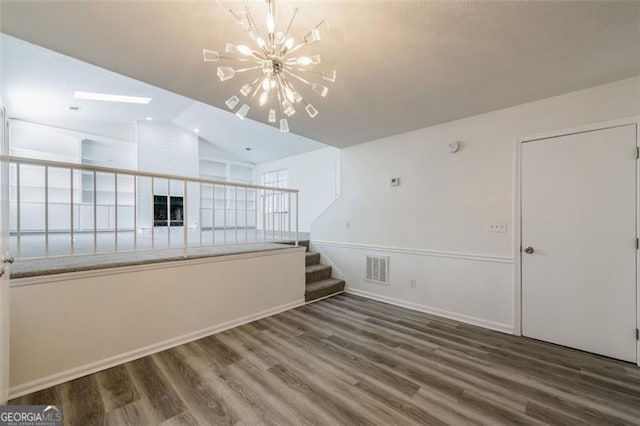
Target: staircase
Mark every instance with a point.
(318, 279)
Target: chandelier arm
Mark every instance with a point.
(231, 58)
(286, 34)
(294, 48)
(307, 71)
(253, 23)
(281, 85)
(280, 104)
(248, 69)
(255, 92)
(296, 76)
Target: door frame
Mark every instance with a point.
(517, 210)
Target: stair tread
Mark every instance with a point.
(310, 253)
(315, 268)
(318, 285)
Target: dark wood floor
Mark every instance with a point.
(349, 360)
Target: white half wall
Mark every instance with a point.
(316, 175)
(434, 226)
(67, 326)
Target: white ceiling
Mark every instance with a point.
(38, 86)
(401, 65)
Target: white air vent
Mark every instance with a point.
(378, 269)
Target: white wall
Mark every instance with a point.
(314, 174)
(434, 225)
(64, 327)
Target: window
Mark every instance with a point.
(273, 201)
(277, 178)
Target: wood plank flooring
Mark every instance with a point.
(348, 360)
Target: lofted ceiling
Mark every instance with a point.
(38, 85)
(402, 65)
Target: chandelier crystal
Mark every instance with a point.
(277, 62)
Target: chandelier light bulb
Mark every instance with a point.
(272, 67)
(320, 89)
(288, 109)
(312, 37)
(243, 111)
(329, 76)
(225, 73)
(264, 97)
(210, 55)
(232, 102)
(245, 89)
(322, 26)
(311, 110)
(289, 94)
(271, 23)
(244, 50)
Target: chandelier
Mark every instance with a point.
(276, 61)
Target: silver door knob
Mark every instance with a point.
(528, 250)
(8, 259)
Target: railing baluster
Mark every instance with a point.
(115, 199)
(46, 210)
(255, 213)
(213, 214)
(288, 215)
(224, 194)
(235, 215)
(71, 225)
(296, 219)
(264, 215)
(168, 213)
(18, 229)
(200, 213)
(95, 213)
(246, 215)
(152, 218)
(185, 212)
(135, 212)
(273, 215)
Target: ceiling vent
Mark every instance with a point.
(377, 269)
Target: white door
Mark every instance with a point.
(4, 261)
(579, 241)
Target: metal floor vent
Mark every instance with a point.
(377, 269)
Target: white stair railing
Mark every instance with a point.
(62, 209)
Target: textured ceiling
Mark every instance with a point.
(401, 65)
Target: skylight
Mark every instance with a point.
(94, 96)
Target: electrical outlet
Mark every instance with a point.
(497, 227)
(413, 283)
(395, 181)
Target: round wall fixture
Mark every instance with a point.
(454, 147)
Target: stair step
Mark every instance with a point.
(317, 273)
(311, 258)
(323, 288)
